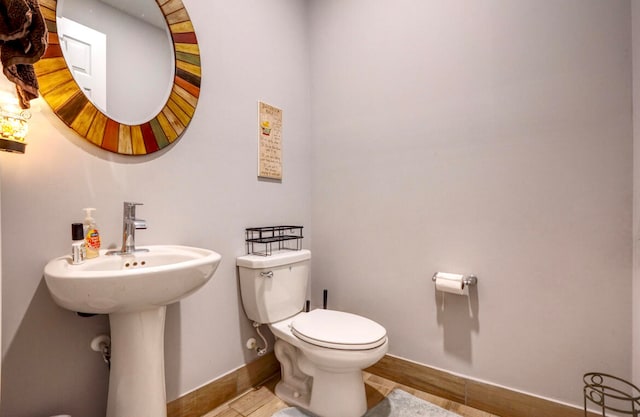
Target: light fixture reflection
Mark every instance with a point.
(13, 130)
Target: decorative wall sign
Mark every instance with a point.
(269, 141)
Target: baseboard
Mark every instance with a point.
(482, 396)
(204, 399)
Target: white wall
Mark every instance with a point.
(0, 284)
(489, 137)
(203, 191)
(635, 15)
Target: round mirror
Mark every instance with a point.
(97, 36)
(140, 96)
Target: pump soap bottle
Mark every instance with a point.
(91, 234)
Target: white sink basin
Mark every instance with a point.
(134, 290)
(127, 283)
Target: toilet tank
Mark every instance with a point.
(274, 287)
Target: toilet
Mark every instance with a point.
(322, 353)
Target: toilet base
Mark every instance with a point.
(291, 396)
(332, 394)
(338, 395)
(328, 382)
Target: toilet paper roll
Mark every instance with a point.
(451, 283)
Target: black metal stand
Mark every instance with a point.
(612, 394)
(264, 240)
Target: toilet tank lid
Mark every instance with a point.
(278, 258)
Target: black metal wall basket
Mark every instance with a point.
(614, 396)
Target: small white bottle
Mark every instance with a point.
(78, 248)
(91, 234)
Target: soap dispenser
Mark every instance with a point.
(91, 234)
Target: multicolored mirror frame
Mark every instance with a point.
(63, 94)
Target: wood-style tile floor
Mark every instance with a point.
(262, 402)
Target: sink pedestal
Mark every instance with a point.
(136, 381)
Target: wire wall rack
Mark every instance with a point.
(612, 395)
(264, 240)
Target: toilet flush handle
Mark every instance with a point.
(268, 274)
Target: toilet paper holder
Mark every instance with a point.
(466, 279)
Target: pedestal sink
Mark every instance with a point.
(134, 291)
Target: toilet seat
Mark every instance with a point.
(338, 330)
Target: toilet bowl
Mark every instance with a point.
(322, 353)
(323, 371)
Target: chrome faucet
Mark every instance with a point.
(129, 226)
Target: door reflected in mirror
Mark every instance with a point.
(120, 53)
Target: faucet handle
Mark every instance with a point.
(130, 209)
